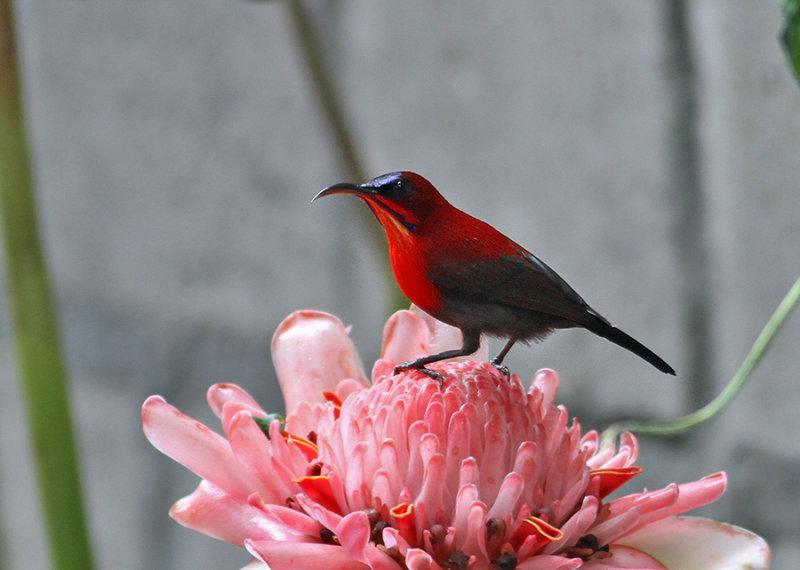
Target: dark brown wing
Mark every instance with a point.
(516, 281)
(525, 284)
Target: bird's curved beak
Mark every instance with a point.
(346, 188)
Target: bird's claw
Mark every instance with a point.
(427, 371)
(502, 368)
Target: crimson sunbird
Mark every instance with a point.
(465, 273)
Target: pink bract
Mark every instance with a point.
(407, 473)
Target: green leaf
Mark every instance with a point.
(790, 35)
(34, 330)
(264, 423)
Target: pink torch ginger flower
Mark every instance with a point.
(407, 473)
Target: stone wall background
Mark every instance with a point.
(648, 151)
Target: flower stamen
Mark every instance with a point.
(533, 534)
(318, 488)
(612, 479)
(404, 522)
(333, 398)
(306, 446)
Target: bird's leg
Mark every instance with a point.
(472, 341)
(497, 361)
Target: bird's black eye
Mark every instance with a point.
(399, 188)
(393, 186)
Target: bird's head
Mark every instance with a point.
(400, 200)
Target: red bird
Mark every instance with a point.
(464, 272)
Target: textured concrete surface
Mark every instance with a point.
(652, 161)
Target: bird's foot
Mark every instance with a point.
(427, 371)
(501, 367)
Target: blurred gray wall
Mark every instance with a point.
(648, 151)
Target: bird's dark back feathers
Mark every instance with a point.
(517, 281)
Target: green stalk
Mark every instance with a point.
(320, 77)
(33, 324)
(715, 406)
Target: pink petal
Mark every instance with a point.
(432, 493)
(312, 354)
(382, 367)
(354, 533)
(550, 563)
(192, 444)
(379, 560)
(287, 456)
(388, 478)
(211, 511)
(616, 526)
(392, 539)
(405, 337)
(608, 458)
(294, 555)
(348, 386)
(507, 497)
(688, 543)
(324, 516)
(251, 446)
(546, 380)
(299, 522)
(467, 496)
(306, 418)
(648, 501)
(691, 496)
(577, 525)
(494, 460)
(656, 505)
(632, 512)
(418, 559)
(473, 541)
(220, 394)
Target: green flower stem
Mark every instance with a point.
(33, 325)
(340, 128)
(320, 77)
(690, 421)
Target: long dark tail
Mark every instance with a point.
(601, 328)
